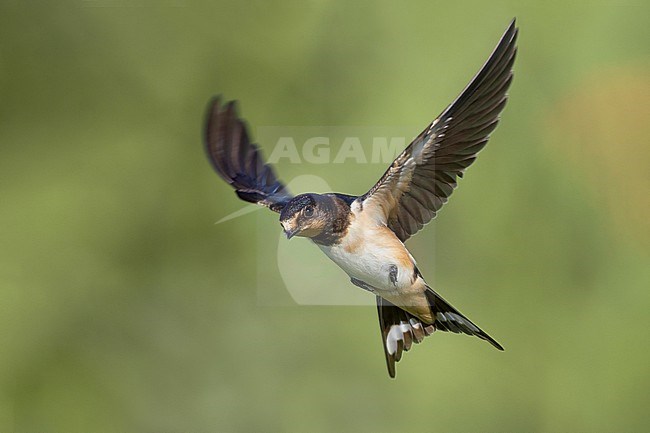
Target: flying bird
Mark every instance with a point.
(364, 235)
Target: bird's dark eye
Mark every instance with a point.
(309, 211)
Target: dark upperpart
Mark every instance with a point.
(324, 218)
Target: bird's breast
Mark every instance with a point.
(373, 254)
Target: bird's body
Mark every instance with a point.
(374, 258)
(365, 235)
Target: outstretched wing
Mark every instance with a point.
(238, 161)
(419, 182)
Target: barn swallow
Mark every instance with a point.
(364, 235)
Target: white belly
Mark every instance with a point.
(370, 253)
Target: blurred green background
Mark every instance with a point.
(123, 308)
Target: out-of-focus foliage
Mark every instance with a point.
(123, 308)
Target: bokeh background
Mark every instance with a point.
(124, 308)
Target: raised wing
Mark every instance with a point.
(238, 161)
(419, 182)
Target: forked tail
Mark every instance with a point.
(450, 319)
(399, 329)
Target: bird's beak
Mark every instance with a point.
(289, 231)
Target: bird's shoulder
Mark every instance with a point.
(344, 198)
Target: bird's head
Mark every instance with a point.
(305, 215)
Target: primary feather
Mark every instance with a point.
(238, 161)
(421, 179)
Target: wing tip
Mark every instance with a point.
(215, 100)
(511, 33)
(212, 114)
(508, 39)
(216, 108)
(218, 113)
